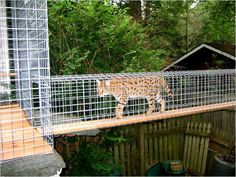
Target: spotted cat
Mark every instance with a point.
(138, 87)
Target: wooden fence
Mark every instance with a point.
(160, 141)
(196, 147)
(149, 143)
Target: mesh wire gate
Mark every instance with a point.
(77, 98)
(25, 126)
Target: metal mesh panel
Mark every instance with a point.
(77, 98)
(24, 79)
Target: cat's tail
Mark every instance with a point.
(166, 88)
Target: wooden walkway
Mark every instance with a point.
(18, 138)
(112, 122)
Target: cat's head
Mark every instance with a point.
(103, 87)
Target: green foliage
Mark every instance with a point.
(95, 37)
(8, 96)
(163, 24)
(177, 27)
(94, 159)
(219, 26)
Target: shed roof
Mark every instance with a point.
(226, 50)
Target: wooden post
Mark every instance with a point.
(169, 141)
(160, 144)
(141, 149)
(122, 157)
(156, 147)
(150, 147)
(165, 142)
(205, 151)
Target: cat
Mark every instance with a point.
(134, 87)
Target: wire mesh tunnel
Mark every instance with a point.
(24, 79)
(122, 96)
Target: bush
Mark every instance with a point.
(95, 37)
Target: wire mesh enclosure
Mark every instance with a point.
(24, 79)
(116, 96)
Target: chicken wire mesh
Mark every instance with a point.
(94, 97)
(24, 79)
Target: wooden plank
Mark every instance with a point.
(160, 144)
(134, 154)
(27, 151)
(175, 140)
(165, 142)
(146, 152)
(182, 140)
(169, 142)
(162, 132)
(141, 150)
(122, 158)
(9, 106)
(205, 151)
(156, 147)
(12, 117)
(116, 154)
(197, 153)
(189, 150)
(201, 150)
(194, 147)
(8, 74)
(105, 123)
(28, 133)
(186, 147)
(150, 142)
(10, 111)
(220, 141)
(127, 149)
(14, 125)
(19, 138)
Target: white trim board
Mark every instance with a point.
(4, 54)
(196, 49)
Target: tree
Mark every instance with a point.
(162, 26)
(177, 26)
(95, 37)
(219, 26)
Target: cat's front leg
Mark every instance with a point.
(120, 108)
(163, 105)
(151, 105)
(119, 111)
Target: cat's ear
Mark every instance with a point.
(107, 83)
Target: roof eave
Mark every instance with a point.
(196, 49)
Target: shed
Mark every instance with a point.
(206, 56)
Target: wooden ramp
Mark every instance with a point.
(18, 138)
(112, 122)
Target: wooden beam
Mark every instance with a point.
(9, 106)
(10, 111)
(112, 122)
(220, 141)
(7, 74)
(19, 138)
